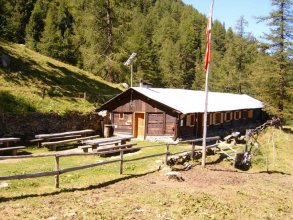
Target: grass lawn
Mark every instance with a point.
(142, 192)
(30, 74)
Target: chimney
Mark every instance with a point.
(144, 84)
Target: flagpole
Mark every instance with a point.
(205, 119)
(207, 66)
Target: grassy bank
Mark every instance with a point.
(33, 82)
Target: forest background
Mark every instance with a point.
(169, 39)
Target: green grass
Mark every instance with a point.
(30, 73)
(81, 178)
(142, 192)
(281, 161)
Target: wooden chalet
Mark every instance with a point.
(146, 112)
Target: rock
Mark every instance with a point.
(166, 169)
(70, 214)
(4, 185)
(5, 60)
(159, 162)
(175, 176)
(125, 85)
(187, 166)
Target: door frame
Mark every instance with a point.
(135, 124)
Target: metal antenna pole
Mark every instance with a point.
(131, 70)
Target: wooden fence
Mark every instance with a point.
(58, 171)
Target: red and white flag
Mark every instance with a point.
(208, 40)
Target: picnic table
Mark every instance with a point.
(7, 141)
(60, 136)
(7, 146)
(95, 143)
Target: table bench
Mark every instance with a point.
(39, 138)
(9, 140)
(106, 147)
(12, 149)
(54, 144)
(103, 141)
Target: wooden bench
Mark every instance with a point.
(9, 140)
(12, 149)
(54, 144)
(95, 146)
(103, 141)
(62, 134)
(40, 140)
(105, 147)
(123, 146)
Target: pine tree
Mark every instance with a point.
(57, 36)
(3, 15)
(36, 24)
(280, 45)
(17, 16)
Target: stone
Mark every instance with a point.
(4, 185)
(173, 175)
(187, 166)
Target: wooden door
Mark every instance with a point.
(139, 125)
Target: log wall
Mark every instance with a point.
(123, 122)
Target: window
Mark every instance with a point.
(250, 114)
(218, 118)
(245, 114)
(121, 116)
(210, 119)
(190, 120)
(228, 116)
(237, 115)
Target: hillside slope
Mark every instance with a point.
(30, 76)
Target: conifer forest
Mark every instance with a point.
(169, 38)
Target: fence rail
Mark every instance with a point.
(57, 172)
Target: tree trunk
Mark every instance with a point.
(109, 49)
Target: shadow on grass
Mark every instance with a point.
(251, 173)
(10, 103)
(217, 161)
(288, 130)
(57, 80)
(91, 187)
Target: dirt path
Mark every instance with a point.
(212, 193)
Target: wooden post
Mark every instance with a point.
(167, 153)
(192, 151)
(43, 93)
(57, 167)
(121, 161)
(274, 150)
(267, 164)
(84, 95)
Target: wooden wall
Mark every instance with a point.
(123, 124)
(160, 124)
(134, 102)
(161, 119)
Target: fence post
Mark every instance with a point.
(167, 153)
(57, 167)
(121, 161)
(84, 95)
(192, 151)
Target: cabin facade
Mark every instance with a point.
(178, 113)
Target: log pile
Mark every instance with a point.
(184, 158)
